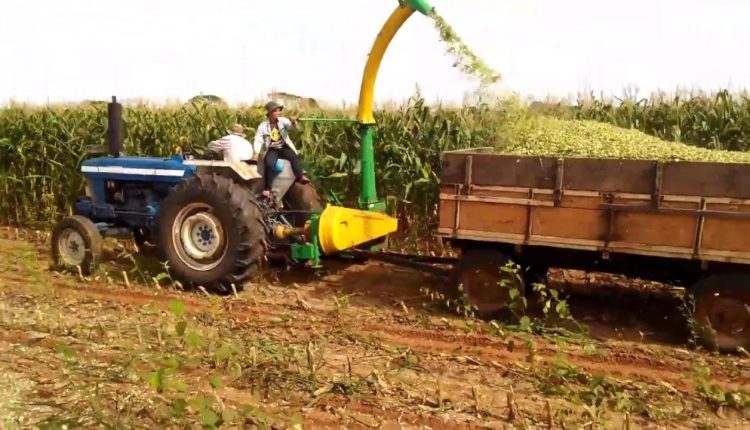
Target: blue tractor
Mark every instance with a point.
(205, 218)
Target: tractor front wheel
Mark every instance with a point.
(76, 242)
(211, 232)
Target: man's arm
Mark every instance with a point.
(218, 145)
(258, 142)
(289, 123)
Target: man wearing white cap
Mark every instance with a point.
(234, 146)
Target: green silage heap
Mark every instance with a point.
(547, 136)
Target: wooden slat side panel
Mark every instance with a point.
(527, 172)
(447, 208)
(452, 168)
(632, 201)
(447, 213)
(622, 176)
(500, 170)
(448, 189)
(492, 217)
(656, 229)
(499, 193)
(615, 247)
(707, 180)
(634, 176)
(580, 202)
(570, 223)
(725, 234)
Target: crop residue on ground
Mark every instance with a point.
(364, 346)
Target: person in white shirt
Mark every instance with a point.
(234, 146)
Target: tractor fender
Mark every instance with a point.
(244, 173)
(238, 171)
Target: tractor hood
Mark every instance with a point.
(137, 168)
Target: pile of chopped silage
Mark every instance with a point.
(547, 136)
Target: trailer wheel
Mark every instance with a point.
(76, 242)
(484, 282)
(722, 311)
(212, 233)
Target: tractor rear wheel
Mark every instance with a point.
(722, 311)
(76, 242)
(212, 233)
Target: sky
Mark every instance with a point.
(162, 50)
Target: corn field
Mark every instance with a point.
(41, 148)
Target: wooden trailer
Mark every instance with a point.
(684, 223)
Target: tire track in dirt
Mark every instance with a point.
(52, 341)
(488, 351)
(499, 357)
(396, 415)
(329, 408)
(136, 298)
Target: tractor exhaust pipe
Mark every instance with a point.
(114, 127)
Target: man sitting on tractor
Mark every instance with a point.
(273, 134)
(234, 146)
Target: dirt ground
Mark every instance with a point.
(361, 346)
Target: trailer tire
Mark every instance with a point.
(212, 233)
(722, 311)
(76, 241)
(478, 276)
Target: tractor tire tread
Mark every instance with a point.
(91, 236)
(247, 223)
